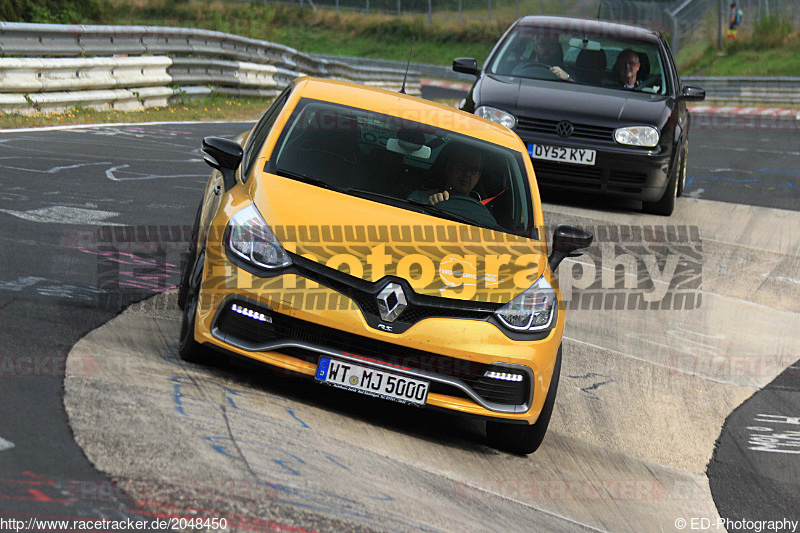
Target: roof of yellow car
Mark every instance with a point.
(407, 107)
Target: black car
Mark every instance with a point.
(560, 84)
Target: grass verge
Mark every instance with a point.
(212, 107)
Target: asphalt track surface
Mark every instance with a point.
(662, 414)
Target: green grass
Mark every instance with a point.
(213, 107)
(777, 62)
(771, 47)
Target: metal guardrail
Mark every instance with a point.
(748, 90)
(57, 57)
(233, 65)
(422, 69)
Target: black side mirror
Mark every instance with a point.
(693, 93)
(225, 156)
(567, 239)
(466, 65)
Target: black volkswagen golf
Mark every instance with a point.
(599, 105)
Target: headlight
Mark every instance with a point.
(495, 115)
(252, 239)
(533, 310)
(637, 136)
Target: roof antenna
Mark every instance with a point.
(598, 9)
(403, 88)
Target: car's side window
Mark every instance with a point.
(260, 132)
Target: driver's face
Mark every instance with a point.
(546, 51)
(463, 173)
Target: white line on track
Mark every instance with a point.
(545, 511)
(623, 354)
(5, 444)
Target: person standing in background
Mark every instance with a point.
(735, 20)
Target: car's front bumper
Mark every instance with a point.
(305, 324)
(640, 174)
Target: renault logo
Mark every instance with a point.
(564, 128)
(391, 302)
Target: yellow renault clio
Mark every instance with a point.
(386, 245)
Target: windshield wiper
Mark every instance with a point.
(443, 213)
(362, 193)
(306, 179)
(394, 200)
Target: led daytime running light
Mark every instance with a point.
(255, 315)
(505, 376)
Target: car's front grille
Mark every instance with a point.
(284, 327)
(621, 182)
(241, 320)
(562, 175)
(565, 176)
(548, 127)
(625, 178)
(365, 293)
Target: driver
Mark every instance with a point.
(462, 171)
(548, 51)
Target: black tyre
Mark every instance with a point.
(523, 439)
(682, 176)
(666, 205)
(188, 348)
(188, 266)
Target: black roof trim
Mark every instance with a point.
(613, 29)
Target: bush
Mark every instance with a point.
(53, 11)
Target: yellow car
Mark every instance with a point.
(386, 245)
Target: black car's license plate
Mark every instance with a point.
(373, 382)
(577, 156)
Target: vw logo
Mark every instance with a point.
(391, 302)
(565, 128)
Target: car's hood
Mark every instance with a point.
(556, 100)
(371, 240)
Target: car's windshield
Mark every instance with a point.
(581, 57)
(403, 163)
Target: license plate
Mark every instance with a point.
(577, 156)
(372, 382)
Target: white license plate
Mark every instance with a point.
(346, 375)
(577, 156)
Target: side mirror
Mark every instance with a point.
(566, 240)
(693, 93)
(225, 156)
(466, 65)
